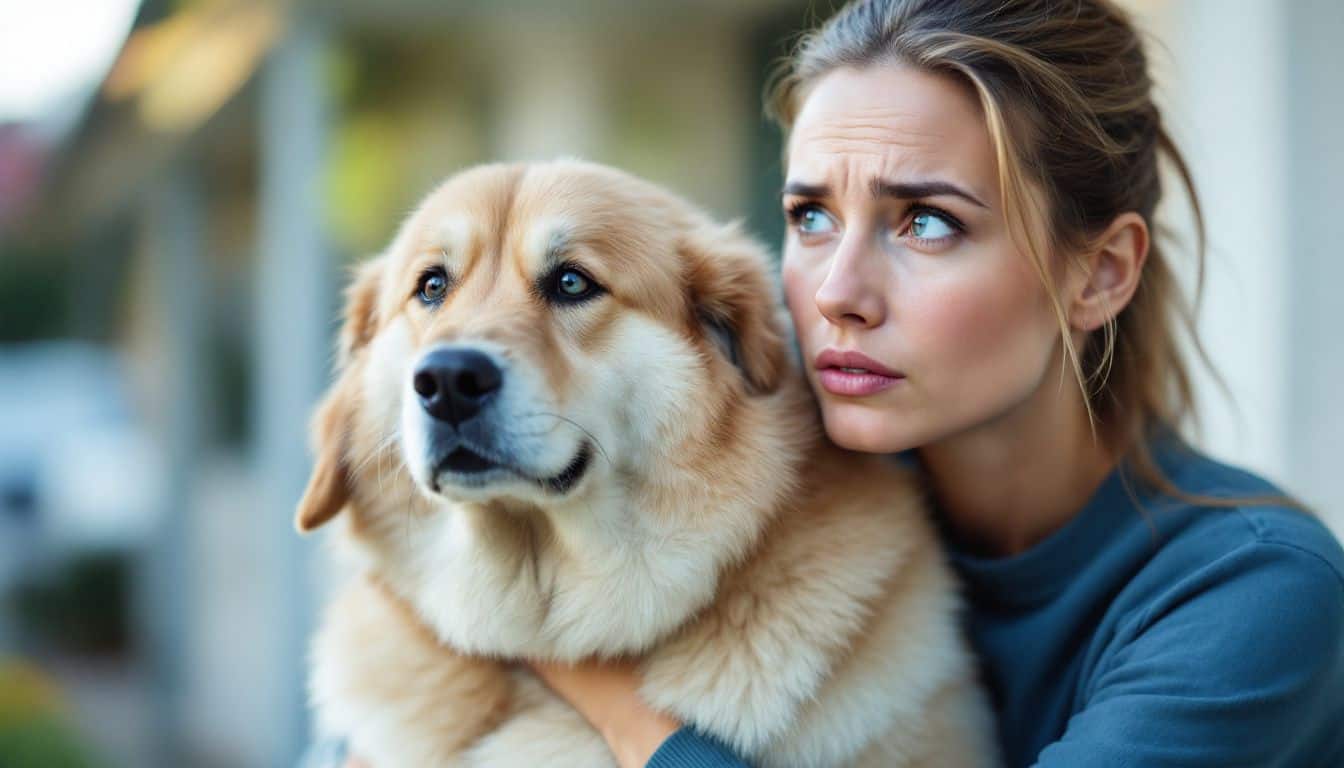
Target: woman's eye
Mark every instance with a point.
(572, 284)
(812, 220)
(433, 286)
(930, 226)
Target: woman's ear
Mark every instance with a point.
(1112, 274)
(329, 486)
(735, 303)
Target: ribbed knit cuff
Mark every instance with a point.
(688, 748)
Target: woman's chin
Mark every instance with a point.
(867, 429)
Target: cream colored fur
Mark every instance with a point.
(781, 594)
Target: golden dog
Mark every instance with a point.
(567, 424)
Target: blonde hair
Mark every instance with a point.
(1067, 97)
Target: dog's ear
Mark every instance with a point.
(735, 301)
(329, 486)
(361, 309)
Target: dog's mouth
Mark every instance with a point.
(465, 467)
(465, 461)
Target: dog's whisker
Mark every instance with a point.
(538, 433)
(377, 453)
(379, 465)
(384, 450)
(406, 527)
(597, 443)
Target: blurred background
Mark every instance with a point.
(182, 183)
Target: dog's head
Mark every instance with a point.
(547, 340)
(531, 327)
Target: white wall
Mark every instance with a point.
(1315, 241)
(1249, 90)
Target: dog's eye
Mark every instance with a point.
(572, 284)
(433, 286)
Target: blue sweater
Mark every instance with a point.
(1155, 634)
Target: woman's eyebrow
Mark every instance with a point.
(803, 189)
(917, 189)
(883, 188)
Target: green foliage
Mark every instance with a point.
(33, 734)
(42, 742)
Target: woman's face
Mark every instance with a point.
(919, 319)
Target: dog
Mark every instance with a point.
(567, 423)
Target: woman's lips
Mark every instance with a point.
(853, 374)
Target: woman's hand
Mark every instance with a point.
(607, 695)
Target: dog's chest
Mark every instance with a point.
(501, 588)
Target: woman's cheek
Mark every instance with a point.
(958, 322)
(982, 339)
(799, 296)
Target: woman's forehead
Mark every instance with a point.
(894, 122)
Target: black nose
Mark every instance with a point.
(454, 383)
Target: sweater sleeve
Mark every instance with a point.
(688, 748)
(1242, 663)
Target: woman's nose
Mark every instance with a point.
(851, 294)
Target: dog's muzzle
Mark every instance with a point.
(456, 387)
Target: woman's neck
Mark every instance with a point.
(1006, 485)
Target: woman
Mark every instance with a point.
(970, 194)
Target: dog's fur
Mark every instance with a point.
(779, 593)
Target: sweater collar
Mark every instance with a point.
(1045, 569)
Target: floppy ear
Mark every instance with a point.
(361, 309)
(329, 486)
(735, 301)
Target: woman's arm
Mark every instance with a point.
(607, 695)
(1242, 663)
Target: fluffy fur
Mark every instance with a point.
(780, 593)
